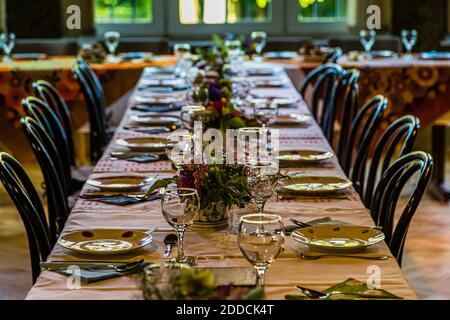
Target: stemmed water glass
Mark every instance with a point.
(181, 52)
(367, 39)
(180, 148)
(7, 42)
(262, 180)
(265, 112)
(261, 240)
(112, 40)
(180, 207)
(241, 88)
(409, 39)
(190, 114)
(259, 39)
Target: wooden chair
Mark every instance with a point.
(52, 169)
(398, 137)
(28, 204)
(388, 192)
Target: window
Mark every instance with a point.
(322, 10)
(224, 11)
(123, 11)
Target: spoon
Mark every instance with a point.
(169, 241)
(317, 257)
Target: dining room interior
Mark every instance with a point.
(225, 150)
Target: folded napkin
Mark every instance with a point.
(91, 274)
(141, 159)
(158, 108)
(125, 201)
(351, 289)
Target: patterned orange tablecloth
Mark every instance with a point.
(17, 77)
(417, 87)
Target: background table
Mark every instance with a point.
(220, 248)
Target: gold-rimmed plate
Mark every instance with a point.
(154, 120)
(304, 156)
(151, 144)
(105, 241)
(315, 185)
(338, 239)
(119, 183)
(294, 119)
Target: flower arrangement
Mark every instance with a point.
(188, 283)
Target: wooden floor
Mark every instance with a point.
(426, 262)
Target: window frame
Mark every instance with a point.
(311, 28)
(177, 29)
(154, 28)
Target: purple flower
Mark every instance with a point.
(214, 93)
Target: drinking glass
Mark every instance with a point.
(190, 114)
(259, 39)
(179, 148)
(112, 40)
(262, 180)
(409, 39)
(180, 207)
(233, 49)
(241, 88)
(265, 112)
(181, 49)
(7, 41)
(367, 38)
(261, 240)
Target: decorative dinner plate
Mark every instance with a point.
(315, 185)
(143, 144)
(119, 183)
(435, 55)
(309, 156)
(270, 83)
(294, 119)
(154, 120)
(338, 239)
(286, 102)
(155, 100)
(105, 241)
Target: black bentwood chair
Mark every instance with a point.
(333, 56)
(364, 127)
(322, 79)
(388, 192)
(48, 93)
(339, 112)
(26, 199)
(397, 140)
(98, 137)
(52, 169)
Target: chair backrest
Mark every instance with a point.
(39, 111)
(388, 192)
(27, 201)
(47, 92)
(333, 56)
(320, 78)
(398, 137)
(98, 135)
(52, 170)
(94, 82)
(364, 127)
(341, 109)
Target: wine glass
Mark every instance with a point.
(112, 40)
(409, 39)
(7, 41)
(262, 179)
(261, 240)
(265, 112)
(180, 207)
(259, 39)
(181, 49)
(241, 88)
(179, 148)
(367, 39)
(190, 114)
(233, 49)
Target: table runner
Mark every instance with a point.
(220, 248)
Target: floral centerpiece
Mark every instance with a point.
(219, 186)
(189, 284)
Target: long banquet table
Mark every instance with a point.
(220, 248)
